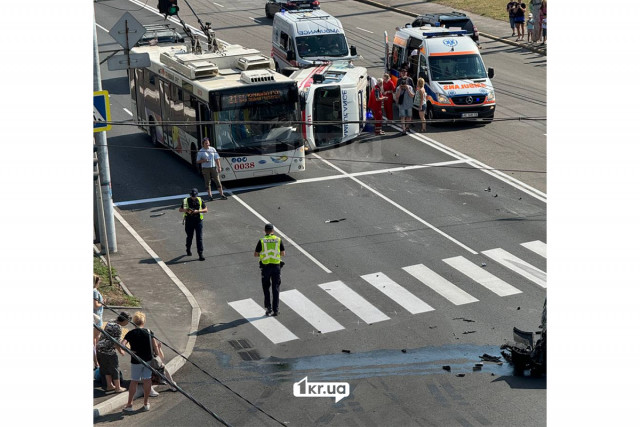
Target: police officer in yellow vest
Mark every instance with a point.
(270, 249)
(193, 208)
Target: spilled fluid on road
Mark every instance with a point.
(380, 363)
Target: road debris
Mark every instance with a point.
(460, 375)
(468, 332)
(487, 189)
(334, 220)
(404, 350)
(495, 195)
(463, 319)
(488, 358)
(447, 368)
(346, 351)
(484, 264)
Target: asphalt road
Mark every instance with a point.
(399, 226)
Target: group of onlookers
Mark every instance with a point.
(405, 95)
(517, 11)
(108, 341)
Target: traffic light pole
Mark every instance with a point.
(107, 227)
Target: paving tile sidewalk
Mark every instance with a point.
(488, 27)
(168, 310)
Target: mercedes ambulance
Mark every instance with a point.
(305, 38)
(333, 93)
(457, 83)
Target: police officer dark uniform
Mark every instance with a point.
(194, 208)
(270, 249)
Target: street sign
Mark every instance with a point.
(136, 60)
(101, 111)
(127, 31)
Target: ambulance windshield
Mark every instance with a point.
(332, 45)
(457, 67)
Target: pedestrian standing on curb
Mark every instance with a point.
(375, 105)
(143, 345)
(106, 350)
(209, 159)
(530, 25)
(98, 300)
(388, 88)
(270, 249)
(519, 20)
(511, 9)
(193, 208)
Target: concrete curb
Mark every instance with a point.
(489, 36)
(177, 362)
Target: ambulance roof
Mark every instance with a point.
(441, 40)
(310, 22)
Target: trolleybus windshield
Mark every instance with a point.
(262, 121)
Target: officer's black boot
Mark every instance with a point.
(201, 257)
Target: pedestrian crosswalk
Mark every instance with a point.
(363, 309)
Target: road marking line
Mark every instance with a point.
(521, 267)
(405, 210)
(269, 326)
(536, 246)
(101, 27)
(354, 302)
(400, 295)
(439, 284)
(301, 181)
(482, 276)
(218, 4)
(278, 231)
(366, 31)
(534, 192)
(310, 312)
(127, 111)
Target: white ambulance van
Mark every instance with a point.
(334, 93)
(457, 83)
(304, 38)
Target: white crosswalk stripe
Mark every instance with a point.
(439, 284)
(269, 326)
(406, 299)
(482, 276)
(354, 302)
(536, 246)
(521, 267)
(310, 312)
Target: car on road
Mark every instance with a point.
(274, 6)
(449, 20)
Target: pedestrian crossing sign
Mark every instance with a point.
(101, 111)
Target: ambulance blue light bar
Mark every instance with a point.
(441, 34)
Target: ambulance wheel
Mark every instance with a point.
(266, 12)
(430, 115)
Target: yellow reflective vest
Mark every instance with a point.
(185, 205)
(270, 253)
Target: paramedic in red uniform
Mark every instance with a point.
(375, 105)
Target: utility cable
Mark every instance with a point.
(198, 367)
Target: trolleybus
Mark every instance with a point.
(233, 96)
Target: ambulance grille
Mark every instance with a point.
(468, 99)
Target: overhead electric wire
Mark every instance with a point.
(192, 363)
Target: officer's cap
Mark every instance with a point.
(194, 192)
(268, 227)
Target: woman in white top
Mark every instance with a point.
(420, 102)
